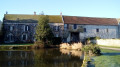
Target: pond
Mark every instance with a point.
(41, 58)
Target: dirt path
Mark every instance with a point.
(118, 49)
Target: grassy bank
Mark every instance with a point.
(85, 61)
(109, 46)
(9, 47)
(24, 46)
(109, 58)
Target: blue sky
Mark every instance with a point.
(88, 8)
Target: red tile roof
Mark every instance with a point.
(89, 20)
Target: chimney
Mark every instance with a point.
(61, 14)
(34, 13)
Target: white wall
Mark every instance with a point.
(103, 33)
(108, 42)
(91, 31)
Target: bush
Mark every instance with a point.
(92, 38)
(94, 49)
(38, 44)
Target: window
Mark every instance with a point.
(10, 37)
(97, 30)
(107, 29)
(84, 29)
(24, 37)
(66, 26)
(11, 28)
(56, 28)
(26, 28)
(75, 26)
(56, 35)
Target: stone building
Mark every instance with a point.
(80, 28)
(21, 28)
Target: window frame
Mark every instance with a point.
(75, 26)
(11, 37)
(97, 30)
(25, 37)
(107, 30)
(26, 28)
(85, 30)
(11, 28)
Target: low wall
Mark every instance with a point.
(108, 42)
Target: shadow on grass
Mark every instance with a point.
(110, 54)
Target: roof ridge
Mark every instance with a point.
(90, 17)
(29, 14)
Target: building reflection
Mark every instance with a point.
(55, 58)
(16, 58)
(41, 58)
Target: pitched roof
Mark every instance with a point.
(52, 18)
(89, 20)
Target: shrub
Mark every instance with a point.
(38, 44)
(94, 49)
(92, 38)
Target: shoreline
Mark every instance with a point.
(24, 47)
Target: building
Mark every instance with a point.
(21, 28)
(81, 28)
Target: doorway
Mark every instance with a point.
(75, 37)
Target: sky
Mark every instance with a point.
(86, 8)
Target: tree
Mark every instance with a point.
(44, 35)
(2, 32)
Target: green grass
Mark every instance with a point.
(110, 58)
(109, 46)
(109, 51)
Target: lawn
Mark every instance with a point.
(109, 58)
(110, 46)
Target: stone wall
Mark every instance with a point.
(108, 42)
(16, 34)
(105, 31)
(18, 31)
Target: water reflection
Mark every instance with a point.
(73, 53)
(40, 58)
(16, 58)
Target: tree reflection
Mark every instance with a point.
(40, 58)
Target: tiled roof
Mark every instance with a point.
(52, 18)
(89, 20)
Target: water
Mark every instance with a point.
(41, 58)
